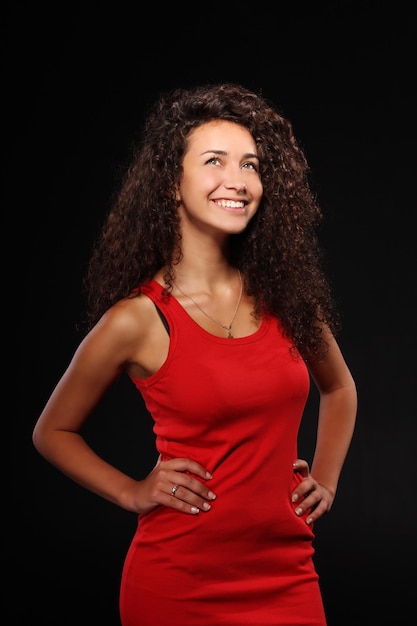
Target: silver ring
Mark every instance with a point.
(174, 490)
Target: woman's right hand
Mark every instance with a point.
(171, 483)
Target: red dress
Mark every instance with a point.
(235, 406)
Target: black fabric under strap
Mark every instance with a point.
(163, 318)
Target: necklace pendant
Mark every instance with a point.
(229, 327)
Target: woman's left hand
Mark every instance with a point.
(309, 496)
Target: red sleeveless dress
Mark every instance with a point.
(235, 406)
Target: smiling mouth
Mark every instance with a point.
(230, 204)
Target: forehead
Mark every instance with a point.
(221, 135)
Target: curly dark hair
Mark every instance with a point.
(278, 253)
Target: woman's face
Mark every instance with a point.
(220, 186)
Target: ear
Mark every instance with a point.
(177, 193)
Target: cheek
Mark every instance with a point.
(183, 189)
(195, 187)
(257, 190)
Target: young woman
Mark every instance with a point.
(207, 288)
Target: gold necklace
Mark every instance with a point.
(226, 327)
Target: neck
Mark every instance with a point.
(204, 274)
(196, 301)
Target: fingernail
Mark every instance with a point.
(298, 511)
(211, 495)
(208, 475)
(194, 510)
(206, 506)
(309, 520)
(294, 497)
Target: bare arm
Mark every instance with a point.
(336, 423)
(114, 345)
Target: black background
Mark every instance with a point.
(77, 78)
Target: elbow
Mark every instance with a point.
(36, 438)
(39, 439)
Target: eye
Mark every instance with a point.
(251, 165)
(213, 160)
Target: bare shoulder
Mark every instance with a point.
(132, 332)
(130, 316)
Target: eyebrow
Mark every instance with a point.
(248, 155)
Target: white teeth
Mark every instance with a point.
(230, 204)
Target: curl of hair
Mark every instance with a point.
(278, 253)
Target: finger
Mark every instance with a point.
(180, 483)
(174, 489)
(304, 488)
(305, 494)
(194, 509)
(316, 513)
(192, 491)
(315, 504)
(301, 467)
(174, 501)
(171, 473)
(186, 501)
(187, 465)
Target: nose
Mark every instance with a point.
(236, 181)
